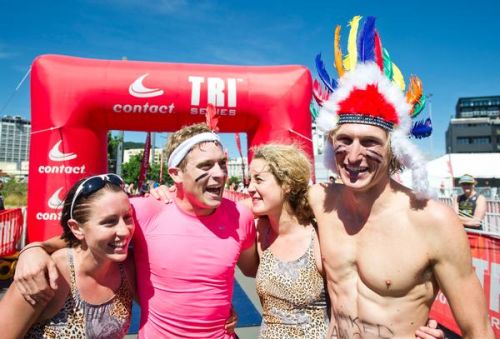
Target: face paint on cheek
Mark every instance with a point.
(374, 155)
(339, 148)
(201, 177)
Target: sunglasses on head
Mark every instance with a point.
(94, 184)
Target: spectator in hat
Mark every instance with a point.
(470, 206)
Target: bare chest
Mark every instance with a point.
(382, 259)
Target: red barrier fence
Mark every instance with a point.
(235, 196)
(485, 252)
(11, 228)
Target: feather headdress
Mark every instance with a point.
(370, 90)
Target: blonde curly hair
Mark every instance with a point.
(292, 170)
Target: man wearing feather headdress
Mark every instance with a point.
(386, 249)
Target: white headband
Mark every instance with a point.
(183, 149)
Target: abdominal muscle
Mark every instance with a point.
(359, 311)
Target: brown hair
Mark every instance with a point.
(81, 209)
(183, 134)
(292, 169)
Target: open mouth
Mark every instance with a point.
(216, 190)
(355, 170)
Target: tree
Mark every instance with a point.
(113, 143)
(232, 180)
(14, 192)
(132, 169)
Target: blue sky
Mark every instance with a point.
(453, 46)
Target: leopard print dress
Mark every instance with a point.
(79, 319)
(293, 297)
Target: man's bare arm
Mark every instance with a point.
(455, 274)
(36, 273)
(249, 261)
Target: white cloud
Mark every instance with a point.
(5, 53)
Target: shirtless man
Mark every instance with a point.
(386, 249)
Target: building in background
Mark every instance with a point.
(236, 167)
(128, 153)
(476, 126)
(14, 145)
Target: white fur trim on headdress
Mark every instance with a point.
(364, 74)
(329, 157)
(403, 149)
(183, 149)
(410, 157)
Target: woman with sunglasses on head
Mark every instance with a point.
(96, 278)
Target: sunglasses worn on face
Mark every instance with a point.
(94, 184)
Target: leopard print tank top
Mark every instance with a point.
(293, 297)
(79, 319)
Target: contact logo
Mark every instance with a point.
(55, 201)
(56, 154)
(138, 90)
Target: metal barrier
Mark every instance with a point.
(491, 221)
(11, 228)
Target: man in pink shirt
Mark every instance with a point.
(185, 252)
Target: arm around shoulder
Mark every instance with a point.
(17, 314)
(32, 269)
(452, 266)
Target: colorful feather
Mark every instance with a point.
(323, 74)
(211, 118)
(352, 56)
(337, 52)
(422, 129)
(366, 41)
(314, 111)
(379, 59)
(397, 77)
(414, 92)
(320, 95)
(418, 107)
(387, 64)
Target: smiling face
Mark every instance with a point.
(361, 155)
(202, 178)
(110, 226)
(266, 193)
(468, 188)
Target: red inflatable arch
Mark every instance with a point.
(75, 102)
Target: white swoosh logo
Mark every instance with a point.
(55, 202)
(138, 90)
(56, 155)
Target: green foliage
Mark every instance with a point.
(15, 193)
(132, 145)
(234, 180)
(132, 169)
(113, 143)
(14, 187)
